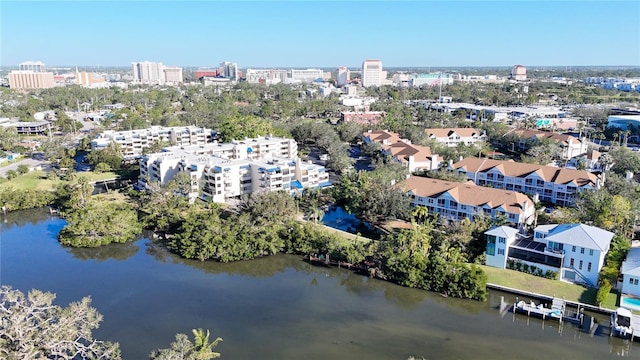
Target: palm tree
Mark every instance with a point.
(203, 349)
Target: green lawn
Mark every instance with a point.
(32, 180)
(37, 179)
(519, 280)
(93, 176)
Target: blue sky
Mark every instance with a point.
(321, 34)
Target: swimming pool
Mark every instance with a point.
(630, 303)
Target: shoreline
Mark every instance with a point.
(515, 291)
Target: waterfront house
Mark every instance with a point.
(630, 272)
(575, 251)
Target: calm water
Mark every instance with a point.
(273, 308)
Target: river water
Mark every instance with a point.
(274, 308)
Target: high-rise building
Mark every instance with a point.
(32, 75)
(343, 76)
(229, 70)
(518, 73)
(85, 78)
(35, 66)
(372, 73)
(173, 75)
(147, 72)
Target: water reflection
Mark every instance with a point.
(23, 217)
(106, 252)
(279, 307)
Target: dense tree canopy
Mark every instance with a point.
(33, 327)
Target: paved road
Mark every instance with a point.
(31, 163)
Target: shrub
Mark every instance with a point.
(525, 268)
(603, 291)
(12, 174)
(23, 169)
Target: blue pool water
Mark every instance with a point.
(339, 218)
(630, 303)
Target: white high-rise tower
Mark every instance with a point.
(371, 73)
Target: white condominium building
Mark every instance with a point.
(133, 142)
(222, 171)
(372, 73)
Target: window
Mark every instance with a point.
(571, 262)
(635, 282)
(573, 249)
(590, 252)
(580, 265)
(491, 245)
(500, 251)
(631, 281)
(581, 250)
(589, 267)
(501, 240)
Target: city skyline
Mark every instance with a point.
(322, 34)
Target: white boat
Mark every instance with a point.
(540, 310)
(620, 324)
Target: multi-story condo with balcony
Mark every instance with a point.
(451, 137)
(556, 185)
(222, 171)
(456, 201)
(570, 146)
(133, 142)
(575, 251)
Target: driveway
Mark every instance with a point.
(31, 163)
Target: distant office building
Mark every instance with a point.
(372, 73)
(27, 79)
(229, 70)
(306, 75)
(34, 66)
(431, 80)
(85, 78)
(147, 72)
(366, 118)
(518, 73)
(343, 76)
(173, 75)
(266, 76)
(207, 72)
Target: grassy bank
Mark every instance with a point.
(38, 180)
(519, 280)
